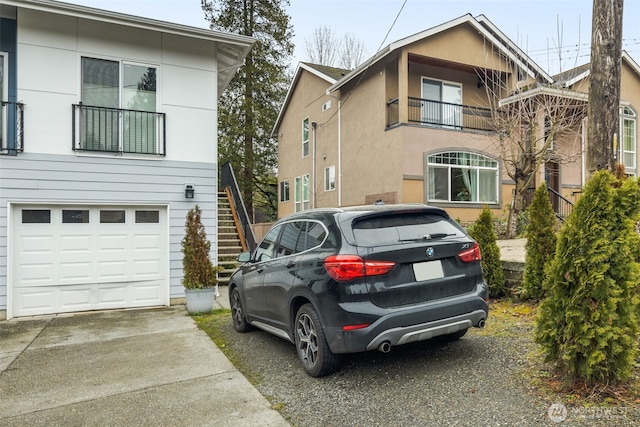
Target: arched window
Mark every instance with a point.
(628, 140)
(462, 177)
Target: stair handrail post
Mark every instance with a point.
(228, 180)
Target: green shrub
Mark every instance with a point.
(482, 231)
(541, 243)
(587, 324)
(198, 270)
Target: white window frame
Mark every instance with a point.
(305, 137)
(443, 118)
(300, 196)
(330, 178)
(285, 184)
(432, 165)
(627, 114)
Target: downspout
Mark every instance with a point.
(314, 126)
(339, 153)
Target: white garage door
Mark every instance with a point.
(77, 258)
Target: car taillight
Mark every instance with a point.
(471, 255)
(348, 267)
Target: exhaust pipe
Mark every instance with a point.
(384, 347)
(481, 324)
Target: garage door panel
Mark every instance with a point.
(75, 272)
(36, 274)
(77, 262)
(76, 244)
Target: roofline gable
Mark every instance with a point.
(301, 67)
(231, 48)
(481, 24)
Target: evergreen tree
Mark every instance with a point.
(587, 324)
(197, 269)
(249, 106)
(541, 243)
(482, 231)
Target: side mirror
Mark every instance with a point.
(244, 257)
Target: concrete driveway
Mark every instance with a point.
(117, 368)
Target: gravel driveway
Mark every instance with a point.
(478, 380)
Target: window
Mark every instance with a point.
(462, 177)
(548, 136)
(147, 217)
(305, 137)
(118, 109)
(441, 103)
(112, 217)
(301, 193)
(330, 178)
(36, 216)
(284, 191)
(628, 140)
(75, 216)
(265, 251)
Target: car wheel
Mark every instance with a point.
(452, 337)
(311, 344)
(237, 313)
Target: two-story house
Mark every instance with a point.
(416, 123)
(108, 135)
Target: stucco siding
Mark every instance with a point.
(37, 178)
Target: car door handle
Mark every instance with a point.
(260, 269)
(290, 264)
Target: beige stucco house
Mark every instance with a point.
(415, 123)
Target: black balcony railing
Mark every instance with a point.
(442, 114)
(115, 130)
(11, 127)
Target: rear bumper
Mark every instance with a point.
(425, 331)
(403, 325)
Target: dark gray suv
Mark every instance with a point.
(335, 281)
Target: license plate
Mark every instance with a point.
(428, 270)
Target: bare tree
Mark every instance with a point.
(352, 52)
(604, 90)
(534, 124)
(323, 47)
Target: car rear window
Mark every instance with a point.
(393, 229)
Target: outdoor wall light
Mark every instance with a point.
(189, 191)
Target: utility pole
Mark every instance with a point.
(604, 85)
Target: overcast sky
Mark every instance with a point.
(539, 27)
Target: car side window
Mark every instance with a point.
(287, 244)
(266, 250)
(313, 235)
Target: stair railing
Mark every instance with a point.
(230, 185)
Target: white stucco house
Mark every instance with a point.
(108, 135)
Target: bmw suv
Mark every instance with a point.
(335, 281)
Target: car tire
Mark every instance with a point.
(240, 323)
(311, 344)
(452, 337)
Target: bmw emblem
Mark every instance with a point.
(430, 252)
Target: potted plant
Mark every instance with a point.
(199, 278)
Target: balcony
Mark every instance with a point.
(115, 130)
(11, 127)
(441, 114)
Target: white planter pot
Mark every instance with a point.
(200, 300)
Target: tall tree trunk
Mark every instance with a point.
(604, 89)
(517, 206)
